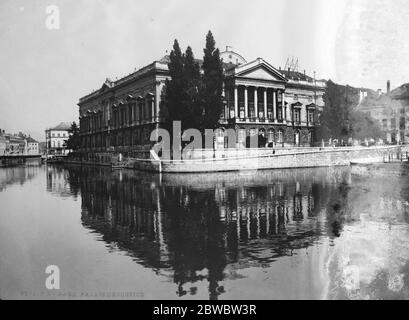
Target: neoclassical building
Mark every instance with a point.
(282, 105)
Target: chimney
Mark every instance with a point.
(388, 87)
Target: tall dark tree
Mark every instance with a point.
(193, 85)
(337, 115)
(174, 86)
(182, 90)
(212, 84)
(192, 98)
(74, 141)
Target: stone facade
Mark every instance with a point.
(281, 105)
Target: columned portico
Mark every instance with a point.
(255, 104)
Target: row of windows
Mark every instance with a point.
(394, 123)
(272, 135)
(54, 144)
(124, 115)
(59, 135)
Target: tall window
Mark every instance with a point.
(310, 116)
(130, 114)
(297, 115)
(270, 97)
(252, 110)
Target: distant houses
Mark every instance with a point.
(22, 144)
(391, 110)
(18, 144)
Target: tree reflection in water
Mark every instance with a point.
(197, 225)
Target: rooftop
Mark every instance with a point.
(31, 140)
(62, 126)
(231, 61)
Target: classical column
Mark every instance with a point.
(265, 103)
(283, 109)
(153, 118)
(256, 102)
(274, 106)
(236, 103)
(246, 104)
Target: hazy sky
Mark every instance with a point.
(44, 72)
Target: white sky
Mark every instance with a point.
(44, 72)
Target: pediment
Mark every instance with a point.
(261, 73)
(107, 85)
(260, 70)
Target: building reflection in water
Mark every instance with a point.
(17, 175)
(194, 228)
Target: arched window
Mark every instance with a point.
(271, 135)
(219, 138)
(241, 139)
(280, 136)
(297, 138)
(309, 137)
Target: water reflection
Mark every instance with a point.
(310, 233)
(195, 228)
(16, 176)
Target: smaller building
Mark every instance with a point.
(15, 144)
(56, 139)
(33, 147)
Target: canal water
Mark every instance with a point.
(291, 234)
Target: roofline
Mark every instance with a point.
(138, 74)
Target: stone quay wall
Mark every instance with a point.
(303, 159)
(245, 159)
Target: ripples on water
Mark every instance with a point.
(307, 233)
